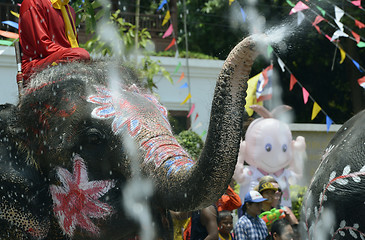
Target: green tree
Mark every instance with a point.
(93, 13)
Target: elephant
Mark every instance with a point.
(67, 150)
(334, 204)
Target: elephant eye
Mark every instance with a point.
(268, 147)
(94, 136)
(284, 147)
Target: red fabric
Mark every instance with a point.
(42, 36)
(229, 201)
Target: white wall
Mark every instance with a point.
(203, 76)
(8, 71)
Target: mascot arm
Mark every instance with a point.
(299, 156)
(241, 174)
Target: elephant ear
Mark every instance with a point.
(25, 205)
(238, 174)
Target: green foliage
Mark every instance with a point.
(191, 142)
(297, 194)
(182, 54)
(90, 12)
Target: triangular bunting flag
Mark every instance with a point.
(290, 3)
(315, 111)
(15, 14)
(339, 13)
(305, 95)
(191, 110)
(161, 5)
(186, 99)
(328, 37)
(11, 23)
(361, 44)
(357, 65)
(361, 81)
(359, 24)
(181, 77)
(300, 6)
(177, 67)
(328, 122)
(244, 16)
(9, 34)
(6, 42)
(198, 125)
(167, 18)
(230, 2)
(293, 81)
(318, 19)
(343, 55)
(196, 116)
(203, 133)
(301, 17)
(185, 85)
(269, 50)
(338, 34)
(357, 3)
(281, 64)
(168, 32)
(356, 36)
(323, 12)
(339, 24)
(173, 41)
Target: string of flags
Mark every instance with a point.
(168, 33)
(260, 86)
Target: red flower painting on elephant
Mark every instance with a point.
(76, 202)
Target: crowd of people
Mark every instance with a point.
(259, 216)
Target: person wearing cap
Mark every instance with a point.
(250, 226)
(270, 189)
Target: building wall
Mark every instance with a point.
(203, 75)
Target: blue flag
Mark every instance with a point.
(161, 5)
(357, 65)
(11, 23)
(328, 122)
(243, 15)
(184, 86)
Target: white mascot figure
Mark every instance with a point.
(270, 150)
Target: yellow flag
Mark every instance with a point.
(251, 94)
(186, 99)
(343, 55)
(15, 14)
(315, 111)
(166, 19)
(230, 2)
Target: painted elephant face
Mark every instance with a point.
(334, 205)
(81, 129)
(268, 145)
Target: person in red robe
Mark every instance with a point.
(43, 36)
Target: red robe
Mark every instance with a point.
(42, 37)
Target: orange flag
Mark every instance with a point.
(359, 24)
(315, 111)
(293, 81)
(171, 44)
(9, 34)
(356, 36)
(181, 77)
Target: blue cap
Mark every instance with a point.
(254, 196)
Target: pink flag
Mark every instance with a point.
(293, 81)
(359, 24)
(305, 95)
(168, 31)
(328, 37)
(357, 3)
(298, 7)
(191, 110)
(356, 36)
(361, 81)
(171, 44)
(318, 20)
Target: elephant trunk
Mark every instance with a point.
(184, 185)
